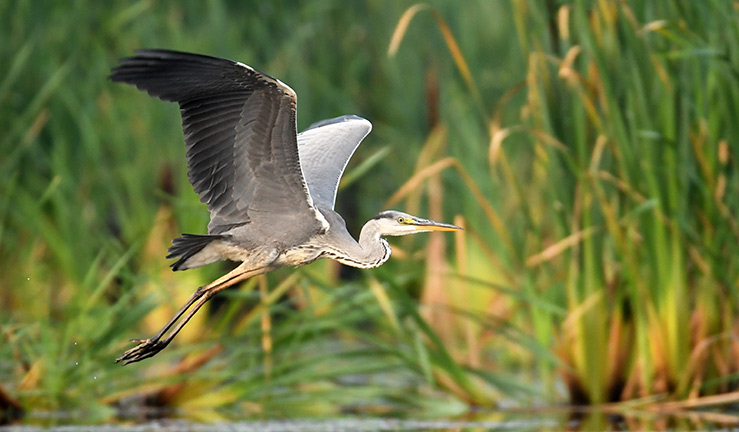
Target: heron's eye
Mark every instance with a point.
(401, 219)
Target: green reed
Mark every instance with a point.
(614, 152)
(588, 148)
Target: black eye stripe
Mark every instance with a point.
(384, 215)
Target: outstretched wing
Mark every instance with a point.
(240, 132)
(325, 148)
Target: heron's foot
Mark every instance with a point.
(146, 348)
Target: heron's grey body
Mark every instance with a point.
(324, 150)
(239, 244)
(270, 191)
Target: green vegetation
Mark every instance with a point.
(588, 147)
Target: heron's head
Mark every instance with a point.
(396, 223)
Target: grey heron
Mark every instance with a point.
(269, 190)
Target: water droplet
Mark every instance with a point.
(28, 278)
(76, 363)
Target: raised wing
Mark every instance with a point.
(240, 132)
(325, 148)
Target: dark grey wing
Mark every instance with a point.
(325, 148)
(240, 132)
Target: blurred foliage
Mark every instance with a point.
(588, 147)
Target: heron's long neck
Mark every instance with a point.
(374, 249)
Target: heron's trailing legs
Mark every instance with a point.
(149, 347)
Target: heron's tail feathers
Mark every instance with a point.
(193, 251)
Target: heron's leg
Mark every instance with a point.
(193, 298)
(150, 347)
(200, 292)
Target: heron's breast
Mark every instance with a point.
(299, 256)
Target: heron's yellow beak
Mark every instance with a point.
(429, 225)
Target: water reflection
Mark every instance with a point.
(532, 420)
(333, 425)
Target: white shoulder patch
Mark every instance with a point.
(286, 88)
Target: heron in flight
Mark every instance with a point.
(269, 190)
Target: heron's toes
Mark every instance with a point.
(146, 348)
